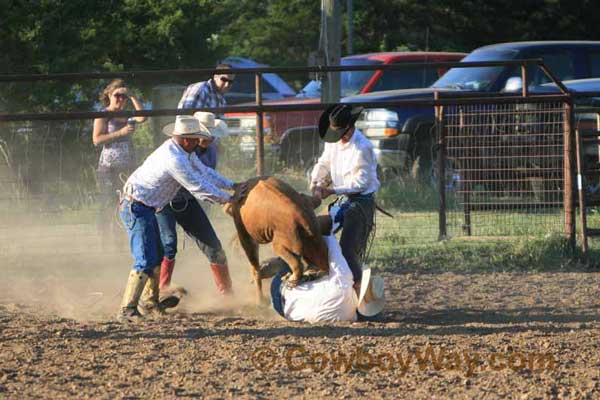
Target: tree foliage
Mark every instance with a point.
(40, 36)
(46, 36)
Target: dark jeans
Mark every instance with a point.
(276, 298)
(192, 218)
(358, 212)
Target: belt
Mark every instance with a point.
(282, 296)
(360, 196)
(134, 201)
(126, 196)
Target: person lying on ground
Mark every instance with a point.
(330, 298)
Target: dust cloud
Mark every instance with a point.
(71, 271)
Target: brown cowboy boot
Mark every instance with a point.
(135, 285)
(222, 279)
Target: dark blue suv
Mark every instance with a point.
(403, 134)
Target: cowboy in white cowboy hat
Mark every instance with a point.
(330, 298)
(150, 188)
(185, 210)
(218, 127)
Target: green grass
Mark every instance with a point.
(500, 241)
(552, 253)
(409, 243)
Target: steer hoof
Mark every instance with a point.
(292, 284)
(312, 275)
(292, 280)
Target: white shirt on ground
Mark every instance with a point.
(351, 167)
(330, 298)
(167, 169)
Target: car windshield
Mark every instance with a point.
(477, 78)
(352, 81)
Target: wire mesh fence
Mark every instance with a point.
(505, 168)
(504, 171)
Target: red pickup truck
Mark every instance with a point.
(294, 133)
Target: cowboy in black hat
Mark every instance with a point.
(347, 168)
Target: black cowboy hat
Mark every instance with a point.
(336, 120)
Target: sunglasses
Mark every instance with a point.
(227, 80)
(120, 96)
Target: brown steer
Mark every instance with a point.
(272, 211)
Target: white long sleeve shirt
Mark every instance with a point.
(167, 169)
(331, 298)
(350, 167)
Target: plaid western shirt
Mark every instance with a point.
(198, 95)
(202, 94)
(167, 169)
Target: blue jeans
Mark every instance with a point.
(144, 240)
(192, 218)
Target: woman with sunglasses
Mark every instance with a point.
(117, 158)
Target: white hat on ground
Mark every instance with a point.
(217, 127)
(187, 127)
(372, 296)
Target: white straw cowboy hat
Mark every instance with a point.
(217, 127)
(187, 127)
(372, 296)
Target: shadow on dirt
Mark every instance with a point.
(431, 323)
(486, 316)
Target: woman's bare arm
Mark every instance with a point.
(101, 136)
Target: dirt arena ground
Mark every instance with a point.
(447, 335)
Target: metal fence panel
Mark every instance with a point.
(504, 173)
(505, 169)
